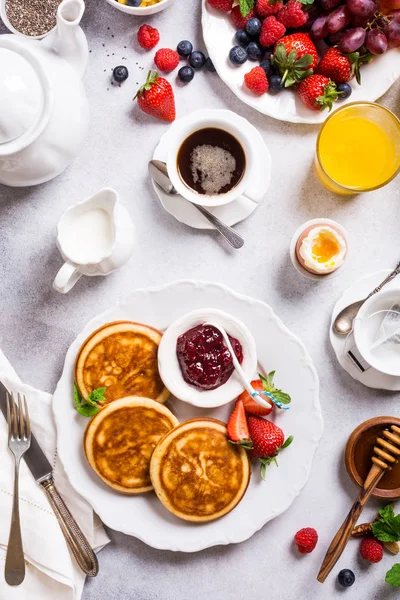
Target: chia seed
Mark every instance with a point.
(32, 17)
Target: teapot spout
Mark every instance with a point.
(68, 39)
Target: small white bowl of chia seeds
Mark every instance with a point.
(32, 18)
(146, 7)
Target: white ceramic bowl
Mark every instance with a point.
(141, 11)
(170, 370)
(365, 330)
(293, 257)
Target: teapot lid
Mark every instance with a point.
(21, 93)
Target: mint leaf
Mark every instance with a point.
(387, 512)
(96, 396)
(393, 576)
(77, 396)
(88, 408)
(387, 528)
(246, 6)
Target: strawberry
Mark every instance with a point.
(238, 432)
(271, 31)
(318, 92)
(238, 19)
(148, 37)
(166, 60)
(256, 81)
(268, 440)
(263, 384)
(225, 5)
(303, 45)
(335, 66)
(266, 8)
(156, 97)
(292, 14)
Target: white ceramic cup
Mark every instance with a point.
(365, 329)
(219, 119)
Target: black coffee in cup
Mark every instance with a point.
(211, 161)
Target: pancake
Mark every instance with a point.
(122, 357)
(197, 473)
(120, 440)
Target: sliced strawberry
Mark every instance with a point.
(250, 405)
(238, 432)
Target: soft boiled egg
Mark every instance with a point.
(321, 249)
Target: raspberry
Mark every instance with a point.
(266, 9)
(271, 31)
(306, 540)
(371, 549)
(292, 15)
(238, 19)
(256, 81)
(148, 37)
(166, 60)
(225, 5)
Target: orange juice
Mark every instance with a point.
(358, 148)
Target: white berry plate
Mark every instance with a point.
(219, 32)
(144, 516)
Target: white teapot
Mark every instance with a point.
(44, 112)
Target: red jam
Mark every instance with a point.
(204, 359)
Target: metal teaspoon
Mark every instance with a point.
(158, 172)
(343, 324)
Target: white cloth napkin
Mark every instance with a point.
(51, 571)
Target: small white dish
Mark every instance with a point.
(292, 250)
(365, 331)
(235, 211)
(218, 32)
(216, 119)
(170, 371)
(341, 344)
(141, 11)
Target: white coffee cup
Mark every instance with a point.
(219, 119)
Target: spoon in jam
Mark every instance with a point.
(258, 396)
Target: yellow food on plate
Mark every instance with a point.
(197, 474)
(122, 357)
(120, 440)
(321, 249)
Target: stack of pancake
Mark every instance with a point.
(135, 443)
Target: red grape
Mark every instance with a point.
(393, 34)
(363, 8)
(338, 19)
(333, 39)
(352, 40)
(376, 41)
(319, 29)
(329, 5)
(359, 20)
(396, 15)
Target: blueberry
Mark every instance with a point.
(266, 65)
(242, 37)
(268, 54)
(120, 74)
(184, 48)
(345, 90)
(346, 578)
(209, 65)
(186, 74)
(237, 55)
(275, 84)
(253, 26)
(133, 2)
(197, 60)
(254, 51)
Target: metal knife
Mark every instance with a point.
(158, 172)
(42, 471)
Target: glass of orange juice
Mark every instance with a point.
(358, 148)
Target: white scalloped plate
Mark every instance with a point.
(143, 516)
(218, 33)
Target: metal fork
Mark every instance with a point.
(19, 440)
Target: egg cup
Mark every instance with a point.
(293, 255)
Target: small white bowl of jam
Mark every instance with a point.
(146, 7)
(195, 364)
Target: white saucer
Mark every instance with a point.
(235, 211)
(297, 234)
(341, 344)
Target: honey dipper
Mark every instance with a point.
(386, 453)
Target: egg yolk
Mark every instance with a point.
(325, 247)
